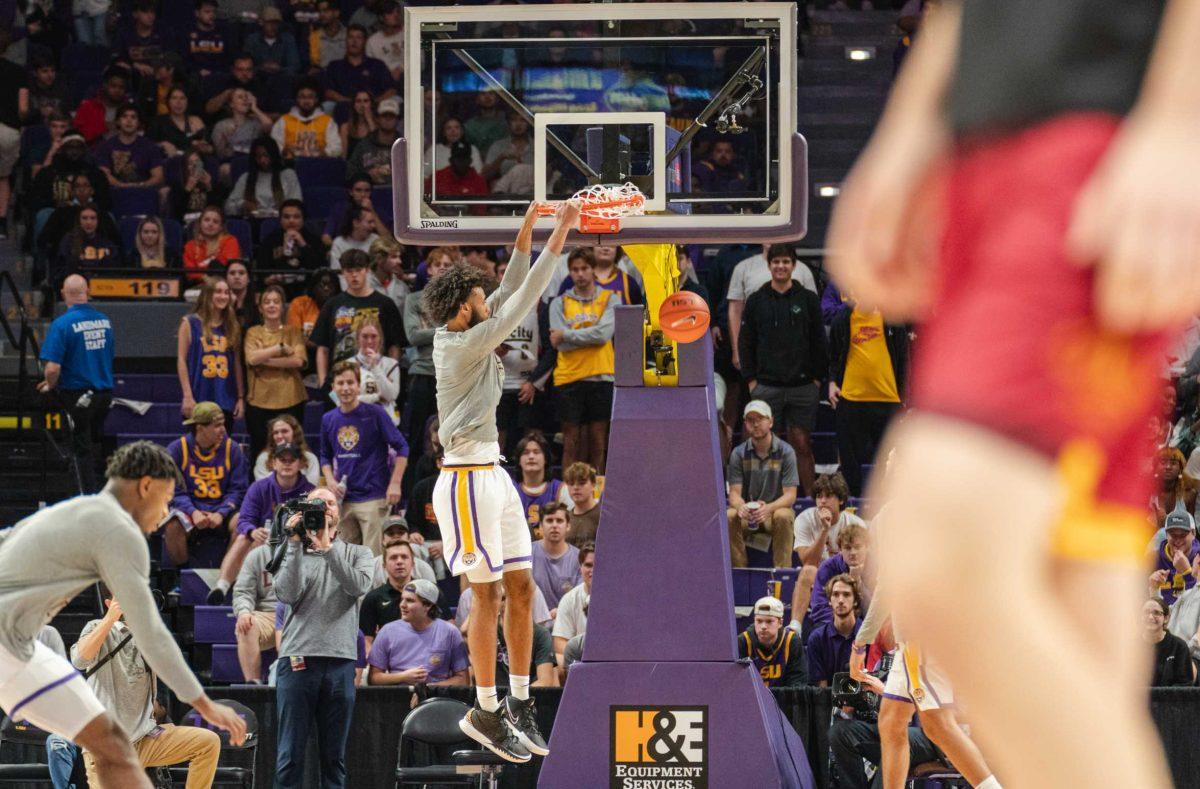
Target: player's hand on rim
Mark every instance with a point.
(1137, 220)
(568, 212)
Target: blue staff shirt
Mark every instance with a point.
(81, 341)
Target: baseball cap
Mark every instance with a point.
(426, 590)
(288, 450)
(757, 407)
(460, 150)
(205, 413)
(1180, 519)
(389, 106)
(769, 606)
(270, 14)
(395, 525)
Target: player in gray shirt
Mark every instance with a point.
(53, 555)
(484, 532)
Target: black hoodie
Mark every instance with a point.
(782, 341)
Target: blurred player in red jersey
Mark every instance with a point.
(1030, 193)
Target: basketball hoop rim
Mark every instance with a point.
(604, 201)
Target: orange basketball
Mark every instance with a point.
(683, 317)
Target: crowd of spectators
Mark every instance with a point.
(302, 296)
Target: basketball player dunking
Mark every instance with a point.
(53, 555)
(1063, 135)
(485, 534)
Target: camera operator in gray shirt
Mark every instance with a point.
(321, 583)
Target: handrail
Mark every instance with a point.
(23, 340)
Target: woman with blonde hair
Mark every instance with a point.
(208, 360)
(275, 355)
(379, 374)
(150, 246)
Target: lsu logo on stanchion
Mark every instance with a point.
(659, 747)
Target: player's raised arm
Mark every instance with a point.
(1138, 218)
(518, 262)
(490, 333)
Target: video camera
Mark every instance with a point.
(849, 692)
(312, 519)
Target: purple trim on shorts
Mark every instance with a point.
(519, 559)
(928, 685)
(897, 698)
(13, 712)
(475, 524)
(454, 515)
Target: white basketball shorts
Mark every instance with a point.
(47, 691)
(914, 679)
(484, 531)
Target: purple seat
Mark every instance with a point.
(226, 668)
(381, 199)
(193, 590)
(135, 201)
(741, 586)
(161, 418)
(268, 226)
(319, 201)
(315, 171)
(214, 624)
(157, 388)
(238, 164)
(240, 229)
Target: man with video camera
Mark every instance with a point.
(321, 579)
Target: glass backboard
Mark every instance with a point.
(694, 103)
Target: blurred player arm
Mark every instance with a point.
(1136, 218)
(877, 614)
(869, 230)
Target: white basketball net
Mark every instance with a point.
(607, 201)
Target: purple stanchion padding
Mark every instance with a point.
(660, 694)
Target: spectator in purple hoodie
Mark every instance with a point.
(854, 547)
(355, 438)
(287, 481)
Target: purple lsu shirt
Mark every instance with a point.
(1175, 584)
(439, 648)
(555, 577)
(533, 504)
(356, 445)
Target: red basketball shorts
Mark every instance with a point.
(1013, 344)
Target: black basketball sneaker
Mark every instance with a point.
(522, 719)
(491, 730)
